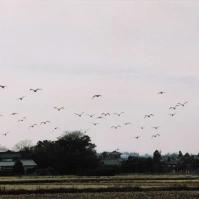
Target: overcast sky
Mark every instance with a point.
(127, 51)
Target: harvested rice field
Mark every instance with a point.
(116, 187)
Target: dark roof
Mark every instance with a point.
(115, 153)
(10, 154)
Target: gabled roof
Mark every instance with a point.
(7, 164)
(28, 163)
(11, 163)
(115, 153)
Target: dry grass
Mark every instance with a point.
(111, 195)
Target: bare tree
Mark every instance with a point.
(3, 148)
(22, 145)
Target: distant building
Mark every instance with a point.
(112, 159)
(8, 159)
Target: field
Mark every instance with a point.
(124, 187)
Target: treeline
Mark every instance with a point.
(71, 153)
(74, 154)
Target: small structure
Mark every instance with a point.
(112, 159)
(6, 167)
(8, 159)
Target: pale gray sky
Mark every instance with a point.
(126, 51)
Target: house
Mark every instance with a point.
(6, 167)
(8, 159)
(112, 159)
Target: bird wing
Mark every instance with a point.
(94, 96)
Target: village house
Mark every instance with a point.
(8, 159)
(112, 159)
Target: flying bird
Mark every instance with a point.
(100, 117)
(45, 122)
(96, 96)
(59, 108)
(118, 114)
(172, 114)
(174, 108)
(148, 115)
(32, 126)
(55, 128)
(79, 114)
(35, 90)
(182, 104)
(155, 127)
(141, 127)
(14, 113)
(21, 98)
(2, 86)
(161, 92)
(137, 137)
(20, 120)
(155, 135)
(116, 126)
(86, 130)
(95, 123)
(127, 123)
(90, 115)
(5, 133)
(105, 114)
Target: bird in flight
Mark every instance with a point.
(35, 90)
(59, 108)
(116, 126)
(20, 98)
(90, 115)
(155, 127)
(32, 126)
(55, 128)
(5, 133)
(174, 108)
(100, 117)
(79, 114)
(45, 122)
(95, 123)
(155, 135)
(161, 92)
(182, 104)
(118, 114)
(96, 96)
(141, 127)
(148, 115)
(127, 123)
(1, 115)
(137, 137)
(14, 113)
(20, 120)
(86, 130)
(2, 86)
(105, 114)
(172, 114)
